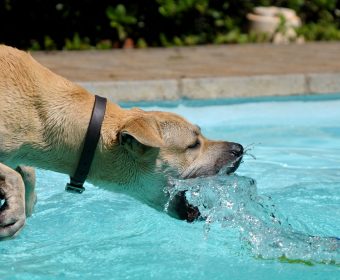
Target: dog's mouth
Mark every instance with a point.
(231, 168)
(183, 209)
(224, 165)
(221, 167)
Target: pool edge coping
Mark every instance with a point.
(222, 87)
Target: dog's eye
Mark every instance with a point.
(195, 145)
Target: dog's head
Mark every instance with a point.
(166, 144)
(178, 145)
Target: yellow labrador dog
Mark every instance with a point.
(43, 122)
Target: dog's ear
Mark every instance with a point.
(140, 134)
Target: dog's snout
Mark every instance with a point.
(236, 149)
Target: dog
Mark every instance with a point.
(43, 121)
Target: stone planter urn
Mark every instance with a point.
(278, 23)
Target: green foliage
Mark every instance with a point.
(171, 8)
(49, 44)
(319, 32)
(84, 24)
(76, 43)
(120, 20)
(104, 45)
(141, 43)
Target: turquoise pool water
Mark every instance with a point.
(295, 178)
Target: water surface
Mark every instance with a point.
(103, 235)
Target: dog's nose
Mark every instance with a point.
(236, 149)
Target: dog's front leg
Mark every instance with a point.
(28, 175)
(12, 194)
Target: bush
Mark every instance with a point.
(83, 24)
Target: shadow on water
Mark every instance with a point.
(233, 202)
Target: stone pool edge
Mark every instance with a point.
(216, 87)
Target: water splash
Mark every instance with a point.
(233, 202)
(249, 148)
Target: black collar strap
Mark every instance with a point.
(90, 144)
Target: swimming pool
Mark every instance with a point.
(103, 235)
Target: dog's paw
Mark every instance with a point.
(12, 221)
